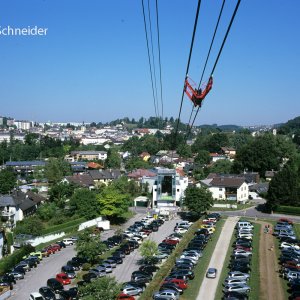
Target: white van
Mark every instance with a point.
(244, 224)
(68, 242)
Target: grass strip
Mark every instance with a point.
(169, 263)
(192, 291)
(254, 281)
(225, 269)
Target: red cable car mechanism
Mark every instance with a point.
(197, 95)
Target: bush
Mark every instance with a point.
(86, 266)
(10, 261)
(66, 227)
(289, 210)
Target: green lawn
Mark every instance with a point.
(254, 281)
(225, 269)
(194, 285)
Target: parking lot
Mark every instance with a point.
(123, 272)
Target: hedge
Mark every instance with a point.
(63, 227)
(11, 260)
(165, 269)
(289, 210)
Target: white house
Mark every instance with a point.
(228, 188)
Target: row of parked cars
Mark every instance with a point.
(141, 277)
(290, 255)
(55, 286)
(19, 271)
(177, 280)
(236, 286)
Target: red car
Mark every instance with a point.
(46, 252)
(179, 282)
(125, 296)
(63, 278)
(170, 242)
(243, 248)
(286, 220)
(56, 246)
(291, 264)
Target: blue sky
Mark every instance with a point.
(92, 65)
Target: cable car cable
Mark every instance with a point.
(188, 66)
(149, 60)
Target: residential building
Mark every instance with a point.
(16, 206)
(229, 152)
(89, 155)
(227, 188)
(24, 125)
(216, 156)
(6, 136)
(145, 156)
(82, 180)
(104, 176)
(25, 167)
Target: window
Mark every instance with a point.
(220, 189)
(220, 196)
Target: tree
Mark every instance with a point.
(60, 192)
(7, 181)
(105, 288)
(137, 163)
(148, 249)
(56, 169)
(85, 203)
(264, 153)
(202, 158)
(284, 189)
(221, 166)
(31, 225)
(47, 211)
(198, 200)
(113, 204)
(125, 186)
(113, 159)
(89, 246)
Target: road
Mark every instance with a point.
(38, 277)
(209, 286)
(123, 272)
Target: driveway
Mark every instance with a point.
(209, 286)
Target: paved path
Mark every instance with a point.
(209, 286)
(270, 285)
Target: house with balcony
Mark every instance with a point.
(104, 176)
(89, 155)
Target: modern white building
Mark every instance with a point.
(168, 189)
(24, 125)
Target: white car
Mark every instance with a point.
(128, 233)
(194, 252)
(285, 245)
(68, 242)
(193, 258)
(181, 230)
(247, 236)
(167, 294)
(36, 296)
(242, 252)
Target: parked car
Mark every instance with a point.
(241, 288)
(63, 278)
(132, 291)
(70, 294)
(55, 285)
(36, 296)
(69, 271)
(171, 286)
(166, 294)
(47, 293)
(89, 277)
(123, 296)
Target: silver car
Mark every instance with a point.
(231, 281)
(167, 294)
(239, 275)
(211, 273)
(132, 291)
(97, 272)
(241, 288)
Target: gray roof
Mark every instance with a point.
(25, 163)
(88, 152)
(7, 200)
(105, 174)
(234, 182)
